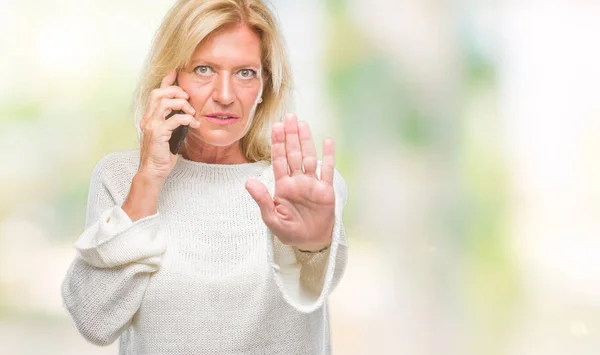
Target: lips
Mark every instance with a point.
(222, 115)
(221, 118)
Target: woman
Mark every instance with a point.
(233, 245)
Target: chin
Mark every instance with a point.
(220, 137)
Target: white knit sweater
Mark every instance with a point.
(203, 275)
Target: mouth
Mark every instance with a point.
(221, 118)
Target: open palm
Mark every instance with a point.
(302, 210)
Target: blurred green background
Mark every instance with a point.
(468, 133)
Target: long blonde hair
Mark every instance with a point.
(185, 25)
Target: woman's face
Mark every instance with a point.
(224, 83)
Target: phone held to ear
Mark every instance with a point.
(178, 135)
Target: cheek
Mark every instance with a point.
(248, 99)
(198, 96)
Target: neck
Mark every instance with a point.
(206, 153)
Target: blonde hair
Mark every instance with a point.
(189, 22)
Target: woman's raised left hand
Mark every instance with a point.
(302, 210)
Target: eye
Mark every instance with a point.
(204, 70)
(247, 74)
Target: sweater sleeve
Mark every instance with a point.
(307, 279)
(106, 281)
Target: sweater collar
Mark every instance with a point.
(189, 169)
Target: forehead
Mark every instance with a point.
(230, 46)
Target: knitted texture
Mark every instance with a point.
(203, 275)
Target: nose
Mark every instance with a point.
(223, 92)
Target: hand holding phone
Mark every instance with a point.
(179, 133)
(158, 155)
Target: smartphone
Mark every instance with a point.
(179, 133)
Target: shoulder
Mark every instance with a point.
(116, 168)
(118, 162)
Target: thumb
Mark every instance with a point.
(260, 194)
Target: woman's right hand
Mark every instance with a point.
(156, 160)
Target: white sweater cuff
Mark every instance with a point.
(115, 240)
(306, 281)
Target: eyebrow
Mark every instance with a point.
(197, 61)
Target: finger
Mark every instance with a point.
(180, 120)
(168, 105)
(168, 80)
(292, 144)
(165, 128)
(309, 156)
(278, 158)
(260, 194)
(327, 168)
(171, 92)
(157, 95)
